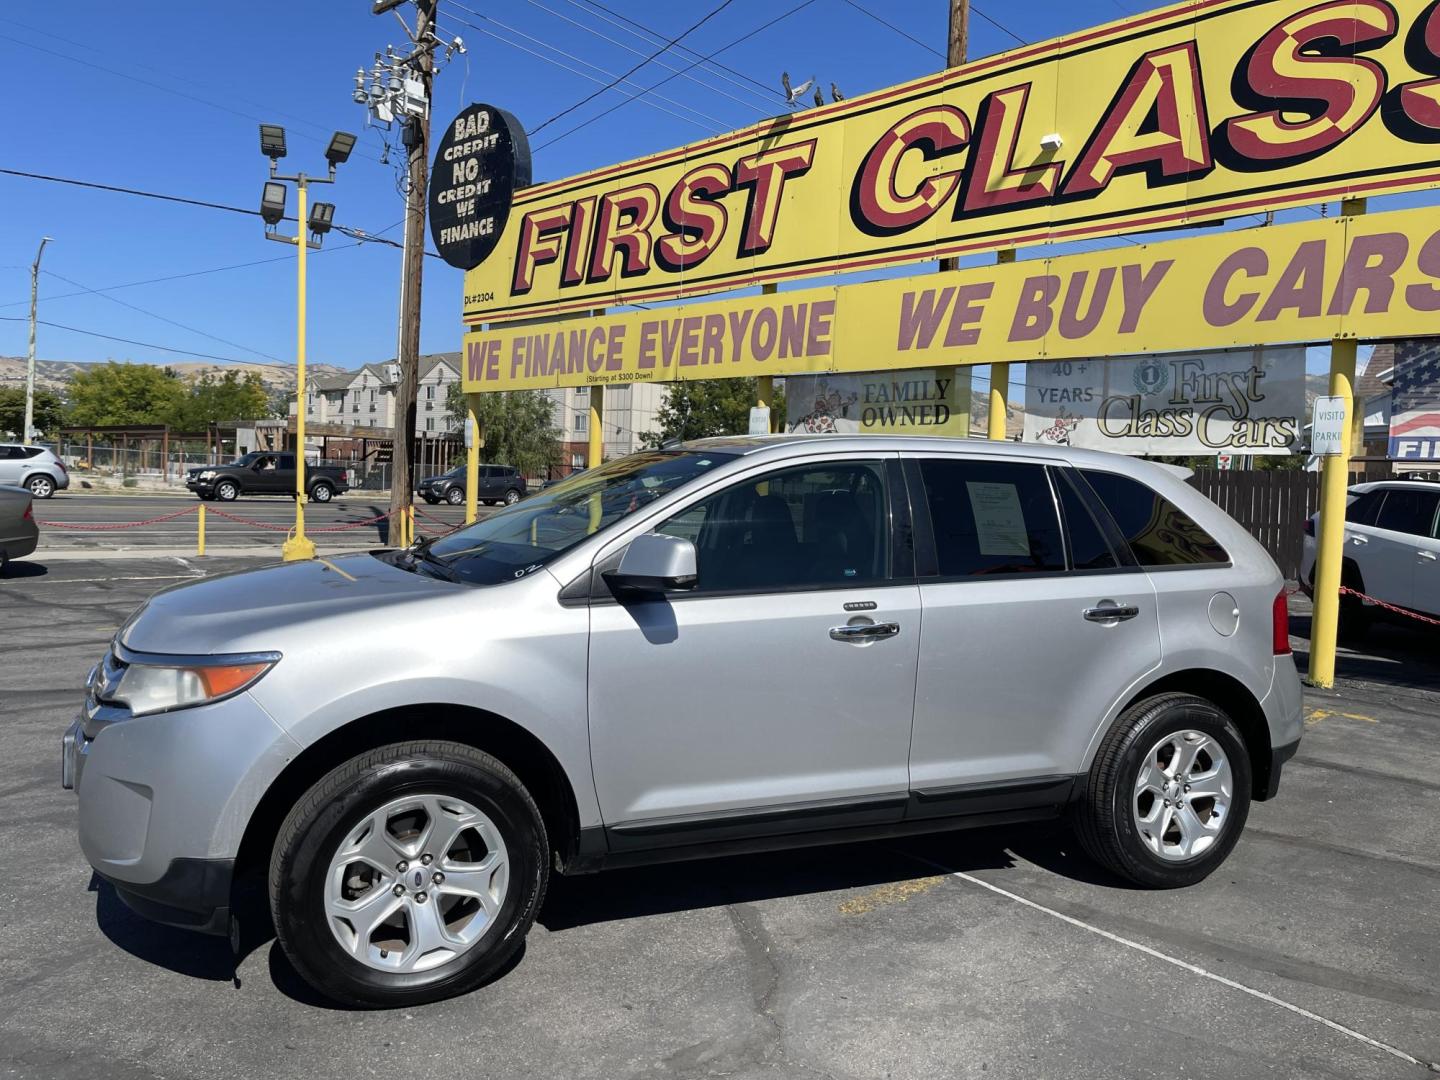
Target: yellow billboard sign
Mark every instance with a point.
(1367, 276)
(1195, 112)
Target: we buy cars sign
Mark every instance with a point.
(1195, 112)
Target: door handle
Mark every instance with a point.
(862, 632)
(1428, 556)
(1104, 613)
(1359, 540)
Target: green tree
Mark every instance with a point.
(48, 411)
(114, 393)
(705, 407)
(518, 427)
(210, 400)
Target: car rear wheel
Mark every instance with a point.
(322, 492)
(408, 874)
(455, 496)
(512, 496)
(227, 491)
(1167, 796)
(42, 487)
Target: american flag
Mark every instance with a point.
(1415, 394)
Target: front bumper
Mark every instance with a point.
(201, 487)
(164, 801)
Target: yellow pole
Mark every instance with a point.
(297, 546)
(472, 457)
(200, 532)
(765, 384)
(999, 378)
(1334, 479)
(595, 453)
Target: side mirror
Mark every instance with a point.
(655, 563)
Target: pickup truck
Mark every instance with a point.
(266, 473)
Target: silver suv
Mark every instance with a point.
(32, 467)
(732, 645)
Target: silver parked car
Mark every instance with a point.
(18, 532)
(731, 645)
(32, 467)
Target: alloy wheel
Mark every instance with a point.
(416, 883)
(1182, 795)
(41, 487)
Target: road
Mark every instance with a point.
(991, 954)
(347, 523)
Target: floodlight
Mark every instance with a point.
(272, 202)
(341, 143)
(321, 215)
(272, 141)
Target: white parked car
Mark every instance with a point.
(1392, 551)
(32, 467)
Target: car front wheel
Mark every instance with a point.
(1168, 793)
(455, 496)
(41, 487)
(227, 491)
(408, 874)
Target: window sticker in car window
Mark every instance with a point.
(999, 521)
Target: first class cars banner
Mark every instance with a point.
(1370, 276)
(1200, 111)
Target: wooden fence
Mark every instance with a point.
(1271, 505)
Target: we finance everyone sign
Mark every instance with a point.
(1371, 276)
(1196, 112)
(1246, 401)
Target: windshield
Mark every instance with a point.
(525, 537)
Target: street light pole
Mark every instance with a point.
(28, 434)
(299, 546)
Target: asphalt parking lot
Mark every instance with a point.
(1312, 953)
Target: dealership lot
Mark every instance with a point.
(998, 953)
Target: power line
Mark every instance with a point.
(769, 98)
(162, 318)
(654, 37)
(710, 56)
(998, 26)
(659, 52)
(154, 85)
(347, 230)
(574, 71)
(126, 341)
(908, 37)
(579, 60)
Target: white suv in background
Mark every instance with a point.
(32, 467)
(1392, 550)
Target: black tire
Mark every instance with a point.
(430, 499)
(511, 497)
(1102, 815)
(227, 491)
(319, 822)
(455, 496)
(1355, 617)
(322, 492)
(41, 487)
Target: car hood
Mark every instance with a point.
(270, 608)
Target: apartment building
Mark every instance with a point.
(630, 413)
(366, 398)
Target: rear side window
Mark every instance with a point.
(32, 451)
(1366, 505)
(1408, 510)
(9, 453)
(1088, 547)
(992, 517)
(1158, 531)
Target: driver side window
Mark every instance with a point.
(810, 527)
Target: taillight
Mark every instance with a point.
(1310, 526)
(29, 514)
(1280, 626)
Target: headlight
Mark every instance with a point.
(152, 688)
(208, 474)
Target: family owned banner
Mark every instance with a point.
(1246, 401)
(922, 401)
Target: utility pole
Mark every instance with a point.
(957, 43)
(28, 434)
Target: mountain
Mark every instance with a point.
(55, 374)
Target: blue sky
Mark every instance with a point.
(166, 97)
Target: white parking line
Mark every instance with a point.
(88, 580)
(1192, 968)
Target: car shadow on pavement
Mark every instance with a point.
(1389, 654)
(185, 952)
(17, 569)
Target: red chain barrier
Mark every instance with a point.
(448, 527)
(1390, 607)
(352, 525)
(246, 521)
(111, 525)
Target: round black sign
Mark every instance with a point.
(482, 160)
